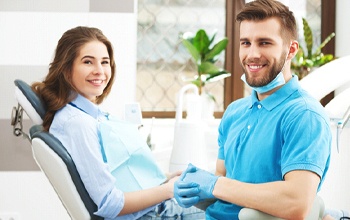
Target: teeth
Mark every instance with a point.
(255, 67)
(96, 81)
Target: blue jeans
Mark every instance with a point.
(170, 210)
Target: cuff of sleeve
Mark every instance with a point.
(111, 205)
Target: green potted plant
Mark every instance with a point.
(205, 55)
(306, 59)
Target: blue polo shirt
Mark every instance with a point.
(261, 141)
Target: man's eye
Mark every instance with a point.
(245, 43)
(264, 43)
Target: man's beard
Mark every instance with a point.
(272, 73)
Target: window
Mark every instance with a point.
(162, 61)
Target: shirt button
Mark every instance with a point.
(248, 127)
(259, 106)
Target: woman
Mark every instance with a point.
(80, 77)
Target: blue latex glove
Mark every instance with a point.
(186, 193)
(205, 180)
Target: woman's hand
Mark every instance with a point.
(169, 183)
(172, 175)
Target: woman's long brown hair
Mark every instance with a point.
(57, 89)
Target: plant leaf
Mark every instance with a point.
(302, 62)
(201, 42)
(203, 54)
(308, 63)
(308, 37)
(323, 59)
(218, 76)
(217, 49)
(328, 38)
(212, 38)
(192, 49)
(197, 82)
(208, 68)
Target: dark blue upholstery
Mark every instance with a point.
(34, 100)
(37, 132)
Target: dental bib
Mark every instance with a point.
(278, 81)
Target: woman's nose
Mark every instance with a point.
(98, 69)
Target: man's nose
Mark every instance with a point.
(254, 51)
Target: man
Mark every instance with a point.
(274, 146)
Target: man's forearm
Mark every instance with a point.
(289, 199)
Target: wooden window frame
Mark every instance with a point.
(327, 27)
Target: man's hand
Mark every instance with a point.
(204, 179)
(186, 193)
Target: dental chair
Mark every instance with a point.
(50, 155)
(338, 110)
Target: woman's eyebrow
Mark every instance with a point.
(88, 56)
(92, 57)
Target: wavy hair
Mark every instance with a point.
(262, 9)
(57, 89)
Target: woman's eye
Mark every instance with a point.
(105, 62)
(245, 43)
(87, 62)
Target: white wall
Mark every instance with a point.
(29, 33)
(342, 31)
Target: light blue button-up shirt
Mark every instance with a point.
(76, 126)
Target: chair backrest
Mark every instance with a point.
(31, 103)
(327, 78)
(338, 106)
(53, 158)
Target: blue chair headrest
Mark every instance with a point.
(34, 100)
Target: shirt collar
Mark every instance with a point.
(88, 107)
(278, 96)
